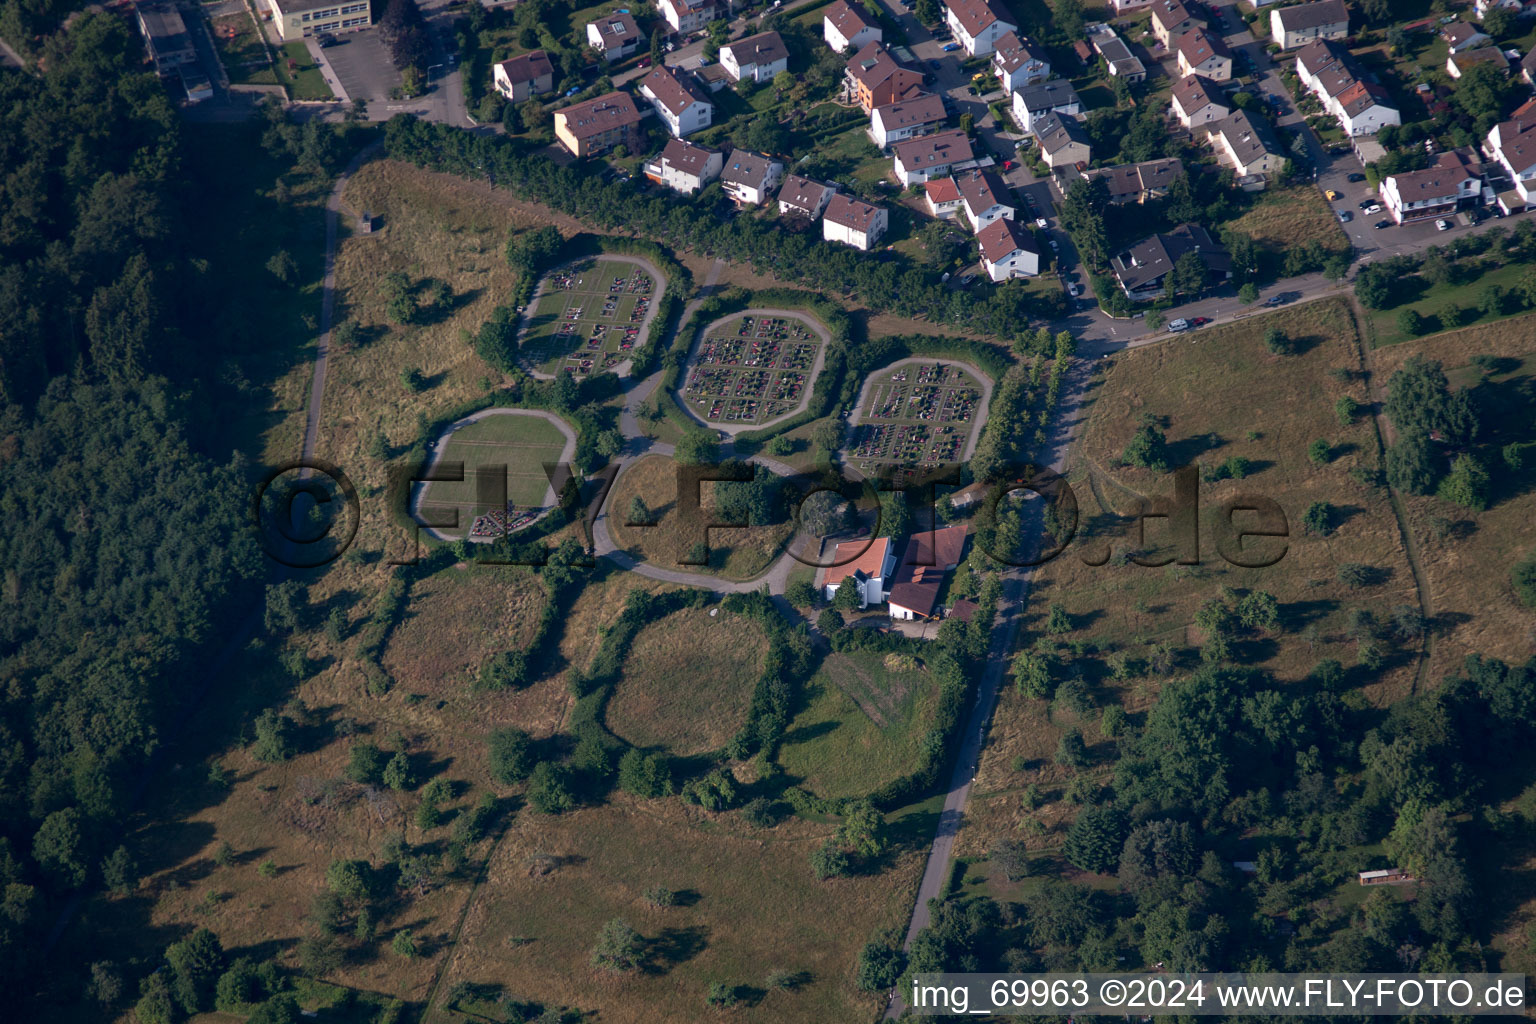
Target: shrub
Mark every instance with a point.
(1318, 518)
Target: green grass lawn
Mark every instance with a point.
(836, 748)
(1436, 299)
(522, 443)
(241, 50)
(298, 71)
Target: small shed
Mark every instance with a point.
(1386, 876)
(367, 223)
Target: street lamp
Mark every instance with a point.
(430, 67)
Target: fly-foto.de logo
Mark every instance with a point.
(307, 514)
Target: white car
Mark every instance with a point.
(1373, 208)
(1040, 223)
(1443, 224)
(1178, 325)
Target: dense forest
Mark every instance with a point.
(124, 540)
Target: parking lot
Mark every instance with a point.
(361, 63)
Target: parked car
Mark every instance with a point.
(1356, 177)
(1199, 321)
(1040, 223)
(1074, 290)
(1055, 246)
(1175, 326)
(1345, 216)
(1442, 224)
(1331, 194)
(324, 39)
(951, 47)
(1383, 224)
(1367, 202)
(1373, 208)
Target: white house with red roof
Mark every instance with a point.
(869, 563)
(978, 24)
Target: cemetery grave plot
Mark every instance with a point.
(750, 369)
(588, 316)
(917, 414)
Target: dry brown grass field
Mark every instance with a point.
(1289, 217)
(1468, 567)
(688, 681)
(738, 553)
(750, 907)
(1218, 394)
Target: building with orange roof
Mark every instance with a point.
(868, 563)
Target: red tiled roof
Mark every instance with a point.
(856, 556)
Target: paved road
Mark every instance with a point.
(1016, 585)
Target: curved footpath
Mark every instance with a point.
(419, 489)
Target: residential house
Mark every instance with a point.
(869, 563)
(1246, 144)
(1063, 141)
(1347, 92)
(165, 36)
(802, 197)
(684, 167)
(1436, 192)
(1297, 26)
(978, 24)
(1457, 64)
(894, 122)
(1522, 8)
(1008, 250)
(684, 16)
(875, 79)
(1053, 97)
(1117, 56)
(854, 222)
(1513, 144)
(1142, 270)
(615, 35)
(1137, 183)
(679, 102)
(846, 27)
(296, 19)
(1127, 6)
(1462, 36)
(598, 125)
(1203, 53)
(942, 196)
(985, 198)
(930, 156)
(1019, 62)
(926, 561)
(1197, 101)
(750, 178)
(1171, 19)
(758, 57)
(1528, 67)
(526, 75)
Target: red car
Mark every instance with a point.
(1199, 321)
